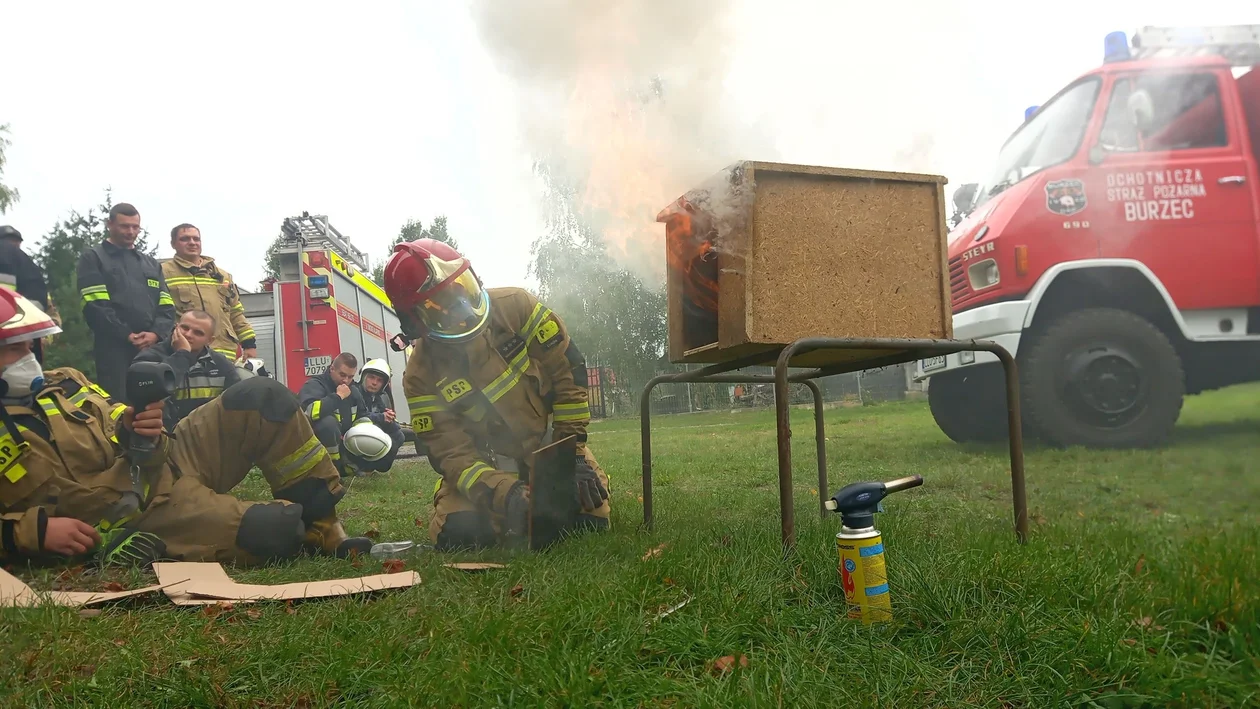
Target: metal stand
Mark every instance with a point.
(901, 351)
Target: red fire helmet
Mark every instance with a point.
(432, 285)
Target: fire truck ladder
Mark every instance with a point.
(316, 231)
(1240, 44)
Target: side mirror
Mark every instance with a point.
(965, 196)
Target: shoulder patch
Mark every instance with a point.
(548, 334)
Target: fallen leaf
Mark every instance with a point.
(668, 581)
(373, 534)
(640, 498)
(1143, 622)
(655, 552)
(213, 611)
(1141, 562)
(70, 574)
(86, 670)
(1130, 641)
(89, 612)
(421, 522)
(1039, 518)
(1220, 626)
(288, 607)
(1080, 514)
(516, 590)
(114, 587)
(727, 663)
(119, 642)
(392, 566)
(474, 566)
(253, 613)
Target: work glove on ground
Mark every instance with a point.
(128, 548)
(590, 490)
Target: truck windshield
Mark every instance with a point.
(1052, 136)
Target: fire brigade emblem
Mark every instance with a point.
(1065, 197)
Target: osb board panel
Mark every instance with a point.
(843, 257)
(816, 358)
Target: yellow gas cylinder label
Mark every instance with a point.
(865, 579)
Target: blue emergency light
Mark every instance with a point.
(317, 281)
(1116, 47)
(1028, 112)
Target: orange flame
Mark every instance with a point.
(689, 251)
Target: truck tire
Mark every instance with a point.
(969, 405)
(1101, 378)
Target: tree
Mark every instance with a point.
(58, 254)
(616, 320)
(411, 231)
(8, 195)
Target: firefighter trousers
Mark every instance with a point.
(254, 423)
(458, 524)
(328, 430)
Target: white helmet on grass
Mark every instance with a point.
(367, 441)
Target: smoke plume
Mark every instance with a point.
(625, 103)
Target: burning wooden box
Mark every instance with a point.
(763, 254)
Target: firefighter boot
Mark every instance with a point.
(327, 536)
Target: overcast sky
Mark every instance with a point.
(234, 115)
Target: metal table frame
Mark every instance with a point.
(901, 351)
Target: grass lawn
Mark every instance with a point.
(1140, 586)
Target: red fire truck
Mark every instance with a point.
(321, 305)
(1115, 249)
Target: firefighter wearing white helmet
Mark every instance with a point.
(373, 385)
(66, 485)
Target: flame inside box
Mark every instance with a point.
(763, 254)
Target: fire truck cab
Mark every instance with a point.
(1115, 248)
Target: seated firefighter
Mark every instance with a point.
(333, 405)
(201, 373)
(493, 377)
(373, 386)
(67, 460)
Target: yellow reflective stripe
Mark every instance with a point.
(192, 281)
(299, 462)
(99, 390)
(239, 307)
(315, 409)
(94, 289)
(117, 411)
(198, 393)
(246, 334)
(360, 422)
(437, 486)
(229, 353)
(165, 299)
(91, 294)
(504, 382)
(571, 412)
(49, 406)
(471, 475)
(423, 405)
(535, 320)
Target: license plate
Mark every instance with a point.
(314, 366)
(931, 363)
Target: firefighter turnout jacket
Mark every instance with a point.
(208, 287)
(123, 293)
(496, 395)
(18, 272)
(199, 377)
(63, 453)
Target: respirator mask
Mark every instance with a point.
(22, 378)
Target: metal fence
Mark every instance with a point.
(611, 395)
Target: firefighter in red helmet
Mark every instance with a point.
(493, 377)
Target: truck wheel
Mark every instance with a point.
(969, 405)
(1102, 378)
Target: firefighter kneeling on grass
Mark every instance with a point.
(493, 377)
(67, 485)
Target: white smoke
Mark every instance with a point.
(627, 102)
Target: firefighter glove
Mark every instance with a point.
(517, 512)
(590, 490)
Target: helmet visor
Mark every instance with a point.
(456, 309)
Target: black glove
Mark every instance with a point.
(591, 492)
(517, 512)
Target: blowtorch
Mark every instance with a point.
(861, 546)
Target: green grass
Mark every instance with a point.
(1140, 586)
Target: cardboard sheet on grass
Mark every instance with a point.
(195, 584)
(16, 594)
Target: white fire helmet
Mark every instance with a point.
(377, 366)
(22, 319)
(367, 441)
